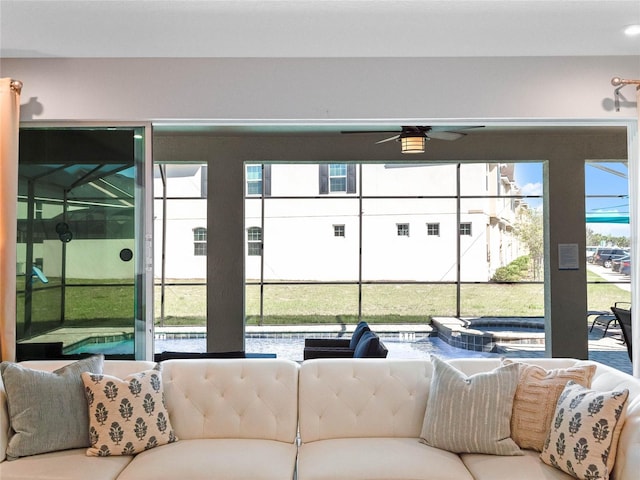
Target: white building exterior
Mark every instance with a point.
(408, 227)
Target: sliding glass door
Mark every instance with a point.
(81, 253)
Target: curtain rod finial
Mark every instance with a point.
(16, 85)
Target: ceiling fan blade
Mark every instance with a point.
(453, 128)
(369, 131)
(395, 137)
(446, 135)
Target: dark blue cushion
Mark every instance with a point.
(367, 346)
(357, 333)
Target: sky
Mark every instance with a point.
(607, 179)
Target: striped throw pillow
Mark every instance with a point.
(471, 414)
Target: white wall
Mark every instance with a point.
(320, 89)
(183, 216)
(299, 240)
(89, 259)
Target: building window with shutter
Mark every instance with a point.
(337, 178)
(199, 241)
(258, 178)
(254, 179)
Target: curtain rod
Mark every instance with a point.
(16, 85)
(619, 83)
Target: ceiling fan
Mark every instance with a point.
(414, 138)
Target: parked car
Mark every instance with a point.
(616, 263)
(590, 253)
(604, 256)
(625, 269)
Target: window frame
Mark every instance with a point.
(199, 242)
(253, 182)
(338, 177)
(402, 229)
(254, 242)
(465, 229)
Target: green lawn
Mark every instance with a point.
(305, 304)
(601, 296)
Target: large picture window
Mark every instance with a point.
(385, 264)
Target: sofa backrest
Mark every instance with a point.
(333, 398)
(628, 454)
(341, 398)
(243, 398)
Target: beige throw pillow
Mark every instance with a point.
(126, 416)
(583, 438)
(470, 414)
(536, 397)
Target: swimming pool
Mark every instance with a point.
(289, 347)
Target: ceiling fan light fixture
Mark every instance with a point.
(413, 143)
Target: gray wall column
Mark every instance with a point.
(566, 295)
(225, 255)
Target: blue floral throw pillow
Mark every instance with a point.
(126, 416)
(584, 433)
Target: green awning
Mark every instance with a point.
(607, 217)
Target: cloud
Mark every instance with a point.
(531, 188)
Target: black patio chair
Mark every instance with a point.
(624, 319)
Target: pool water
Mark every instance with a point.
(290, 348)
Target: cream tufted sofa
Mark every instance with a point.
(234, 419)
(325, 419)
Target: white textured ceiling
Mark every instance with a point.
(316, 28)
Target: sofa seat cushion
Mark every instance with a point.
(377, 458)
(67, 464)
(524, 467)
(221, 459)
